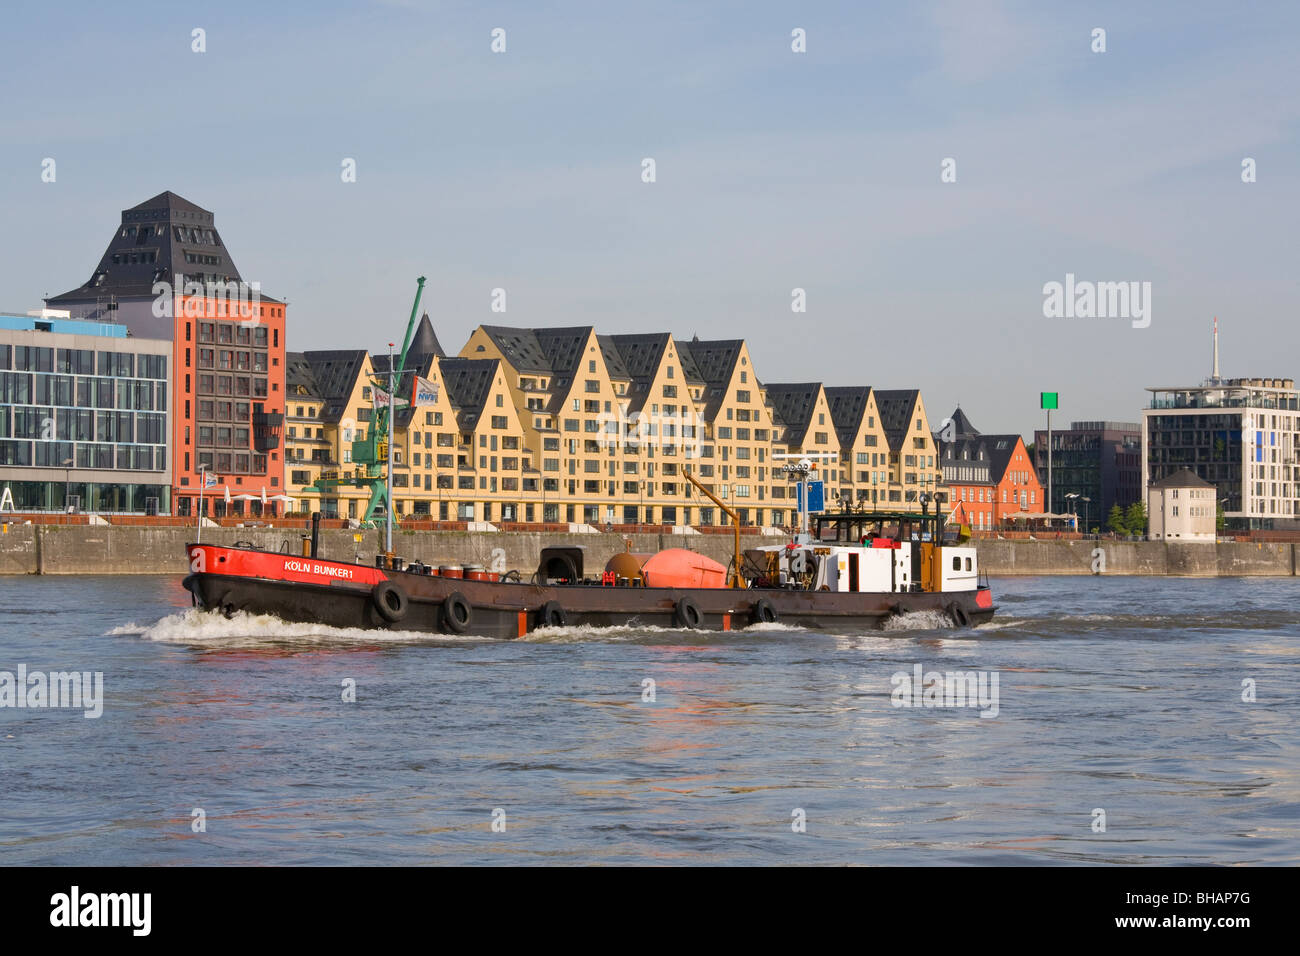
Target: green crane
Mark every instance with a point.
(370, 457)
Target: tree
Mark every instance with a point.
(1135, 518)
(1220, 522)
(1115, 520)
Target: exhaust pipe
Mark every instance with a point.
(315, 533)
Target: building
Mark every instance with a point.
(335, 385)
(1241, 435)
(989, 478)
(807, 425)
(1181, 507)
(167, 274)
(463, 458)
(567, 426)
(914, 468)
(863, 444)
(615, 422)
(738, 435)
(1100, 461)
(84, 416)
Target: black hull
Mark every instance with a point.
(509, 610)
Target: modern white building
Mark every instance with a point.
(1181, 507)
(1242, 435)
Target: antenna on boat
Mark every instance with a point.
(805, 466)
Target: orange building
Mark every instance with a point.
(167, 275)
(988, 477)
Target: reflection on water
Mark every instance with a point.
(1122, 694)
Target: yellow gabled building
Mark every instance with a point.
(738, 438)
(492, 458)
(808, 428)
(864, 465)
(568, 407)
(914, 466)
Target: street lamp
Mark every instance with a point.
(1071, 498)
(1086, 500)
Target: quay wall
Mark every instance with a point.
(106, 549)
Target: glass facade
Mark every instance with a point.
(89, 496)
(81, 408)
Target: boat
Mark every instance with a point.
(852, 571)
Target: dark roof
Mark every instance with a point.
(793, 405)
(425, 342)
(895, 407)
(1000, 448)
(336, 374)
(712, 364)
(520, 347)
(1182, 478)
(468, 383)
(641, 355)
(613, 359)
(962, 424)
(159, 233)
(299, 380)
(563, 347)
(848, 405)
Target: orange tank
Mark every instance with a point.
(680, 568)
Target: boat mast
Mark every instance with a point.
(734, 581)
(388, 509)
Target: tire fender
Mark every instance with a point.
(552, 614)
(390, 601)
(687, 614)
(457, 615)
(762, 612)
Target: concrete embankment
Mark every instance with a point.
(60, 549)
(1224, 559)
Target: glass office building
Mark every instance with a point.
(84, 418)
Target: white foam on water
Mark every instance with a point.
(578, 633)
(208, 629)
(919, 621)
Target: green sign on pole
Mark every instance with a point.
(1049, 399)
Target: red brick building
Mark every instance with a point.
(167, 275)
(988, 477)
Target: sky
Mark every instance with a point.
(775, 170)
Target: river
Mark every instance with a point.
(1112, 729)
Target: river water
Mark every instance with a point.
(1119, 735)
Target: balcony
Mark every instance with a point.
(267, 428)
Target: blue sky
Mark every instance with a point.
(775, 170)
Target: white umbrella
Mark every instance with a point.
(264, 496)
(227, 494)
(244, 498)
(281, 498)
